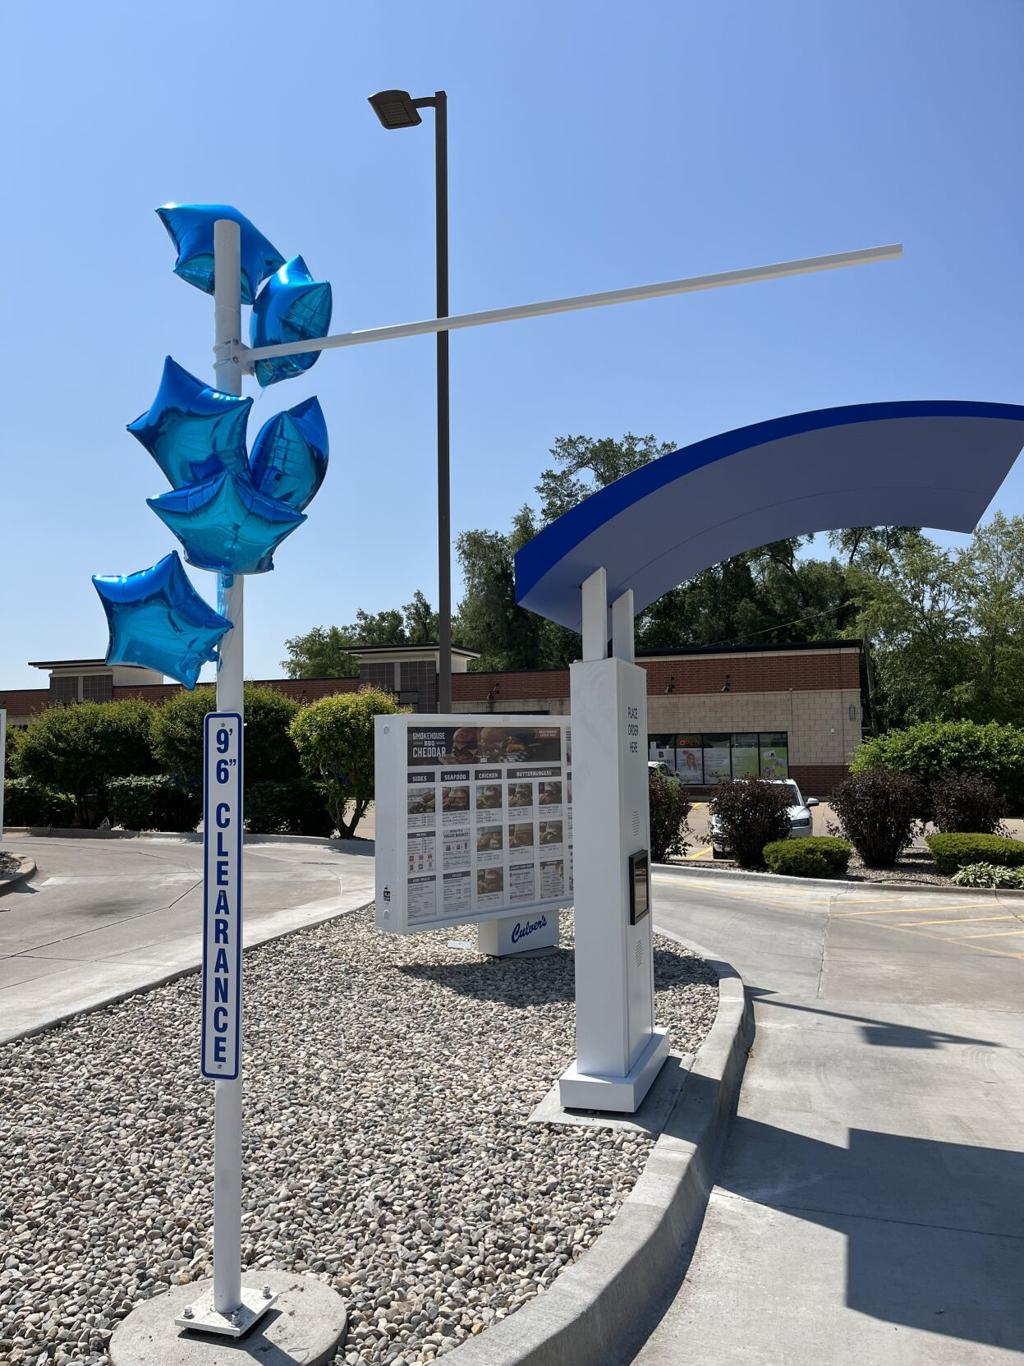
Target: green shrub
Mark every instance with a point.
(29, 803)
(747, 814)
(989, 875)
(952, 852)
(78, 749)
(153, 802)
(297, 807)
(334, 737)
(876, 812)
(931, 750)
(669, 808)
(270, 754)
(812, 856)
(965, 802)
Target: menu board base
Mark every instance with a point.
(534, 934)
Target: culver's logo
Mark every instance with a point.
(522, 929)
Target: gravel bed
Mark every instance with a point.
(916, 867)
(386, 1144)
(9, 863)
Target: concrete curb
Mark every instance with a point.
(75, 832)
(9, 881)
(600, 1310)
(782, 880)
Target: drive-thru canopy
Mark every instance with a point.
(933, 463)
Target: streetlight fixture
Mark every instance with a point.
(398, 109)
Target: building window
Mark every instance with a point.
(775, 755)
(97, 688)
(63, 690)
(717, 766)
(703, 760)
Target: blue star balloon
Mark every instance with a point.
(291, 306)
(193, 432)
(191, 230)
(159, 621)
(289, 456)
(226, 525)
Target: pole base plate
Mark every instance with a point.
(307, 1323)
(201, 1317)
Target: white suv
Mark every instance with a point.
(800, 820)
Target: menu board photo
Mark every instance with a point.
(472, 821)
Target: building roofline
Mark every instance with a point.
(392, 649)
(68, 663)
(776, 648)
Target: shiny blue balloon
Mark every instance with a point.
(158, 621)
(191, 230)
(289, 456)
(226, 525)
(291, 306)
(193, 432)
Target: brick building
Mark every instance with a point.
(712, 713)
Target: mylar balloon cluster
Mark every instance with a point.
(190, 227)
(229, 511)
(157, 619)
(291, 307)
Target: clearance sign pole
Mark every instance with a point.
(231, 1308)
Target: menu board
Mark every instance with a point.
(472, 821)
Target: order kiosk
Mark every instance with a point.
(618, 1048)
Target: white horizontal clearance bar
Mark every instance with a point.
(690, 285)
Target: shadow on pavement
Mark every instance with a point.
(879, 1031)
(932, 1228)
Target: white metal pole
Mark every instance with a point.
(691, 284)
(227, 1159)
(3, 764)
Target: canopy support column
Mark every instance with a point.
(618, 1050)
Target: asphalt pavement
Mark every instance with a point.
(104, 918)
(868, 1205)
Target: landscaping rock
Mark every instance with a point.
(388, 1085)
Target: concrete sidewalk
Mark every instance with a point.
(867, 1211)
(105, 918)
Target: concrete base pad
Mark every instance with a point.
(586, 1091)
(307, 1323)
(650, 1118)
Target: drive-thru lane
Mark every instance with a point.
(103, 918)
(868, 1206)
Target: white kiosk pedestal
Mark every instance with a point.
(618, 1050)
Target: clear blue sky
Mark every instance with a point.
(593, 144)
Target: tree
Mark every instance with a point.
(917, 608)
(320, 653)
(561, 487)
(270, 753)
(334, 739)
(420, 621)
(77, 749)
(990, 577)
(860, 543)
(323, 652)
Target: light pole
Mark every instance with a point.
(397, 109)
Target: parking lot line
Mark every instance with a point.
(960, 920)
(994, 934)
